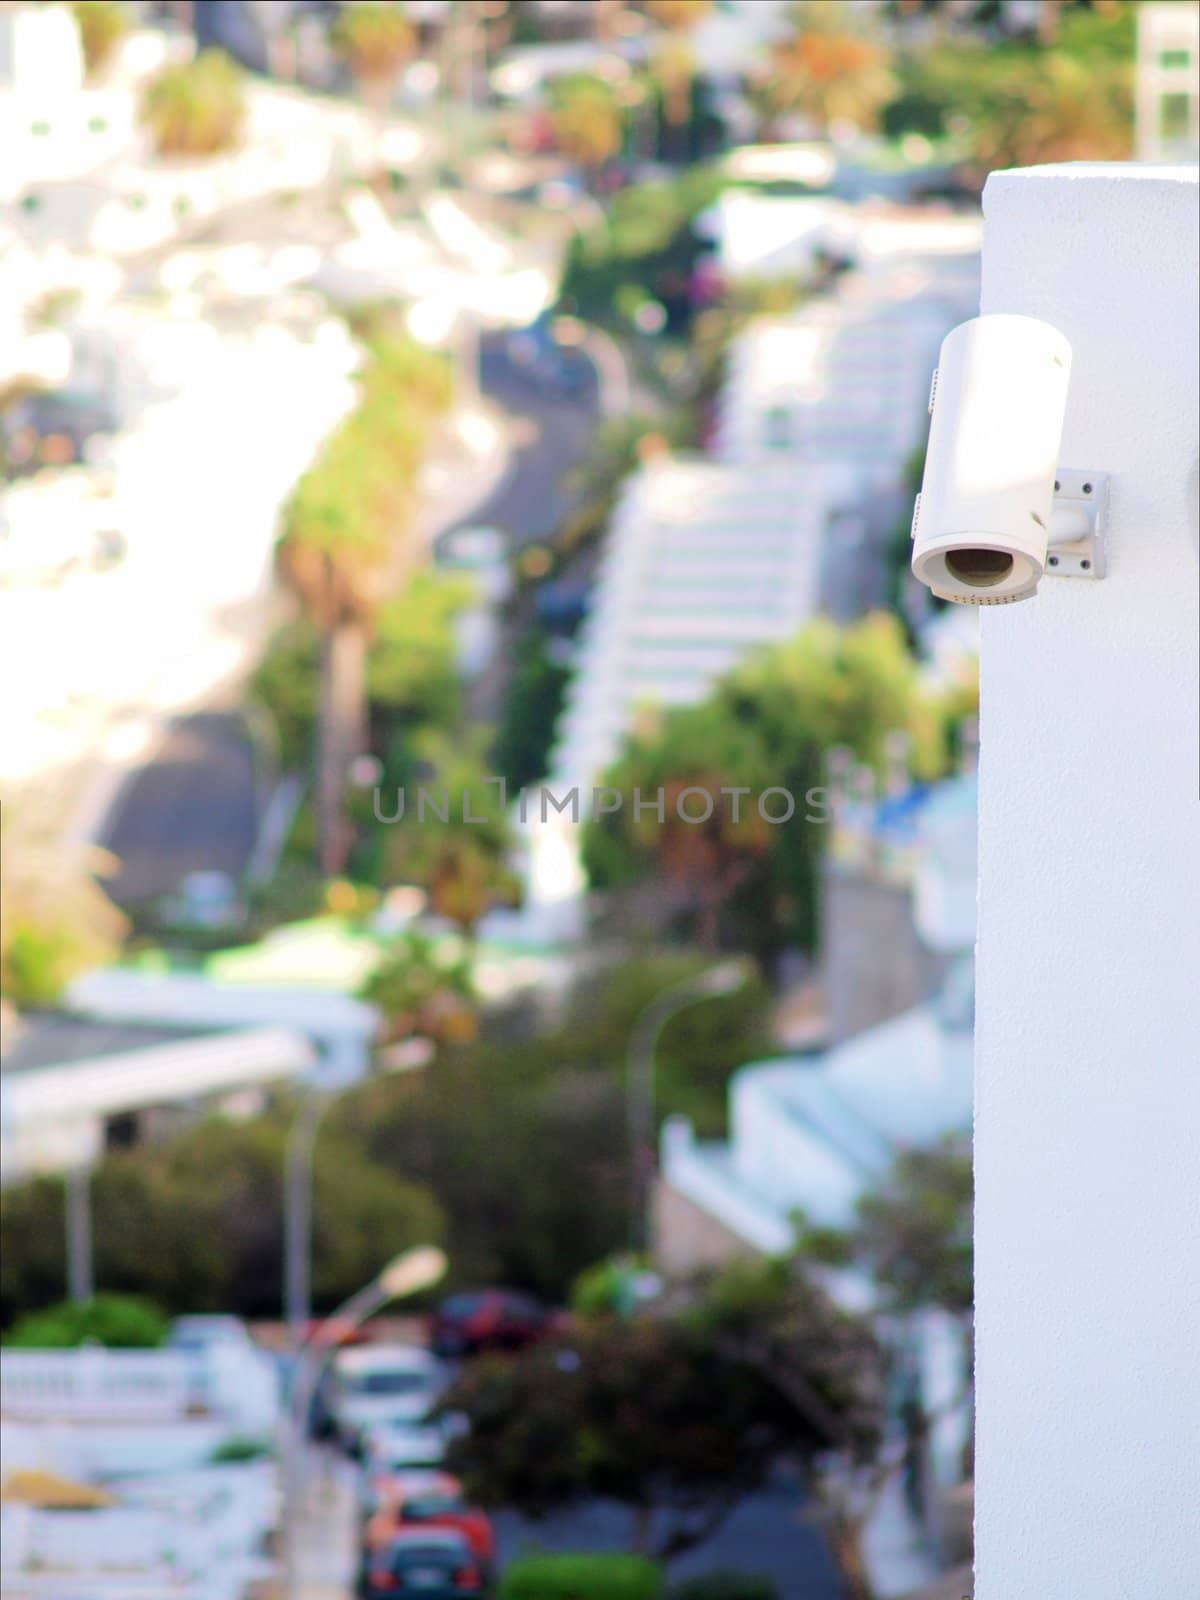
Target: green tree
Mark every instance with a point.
(376, 38)
(587, 121)
(768, 723)
(1053, 109)
(701, 863)
(677, 1414)
(526, 732)
(120, 1322)
(913, 1232)
(528, 1163)
(411, 676)
(422, 993)
(55, 919)
(347, 546)
(453, 834)
(196, 108)
(102, 26)
(1017, 103)
(673, 65)
(196, 1224)
(831, 70)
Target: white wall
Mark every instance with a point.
(1088, 1037)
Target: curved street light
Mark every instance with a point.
(725, 978)
(298, 1186)
(406, 1274)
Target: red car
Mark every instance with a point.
(487, 1319)
(444, 1509)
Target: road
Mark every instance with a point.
(195, 807)
(194, 804)
(767, 1535)
(551, 433)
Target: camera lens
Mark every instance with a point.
(979, 569)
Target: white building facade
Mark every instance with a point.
(1088, 1116)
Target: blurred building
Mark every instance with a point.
(704, 561)
(809, 1134)
(1168, 82)
(114, 1482)
(72, 1087)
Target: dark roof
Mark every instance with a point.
(57, 1038)
(956, 1585)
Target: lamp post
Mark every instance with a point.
(80, 1277)
(724, 978)
(406, 1275)
(298, 1188)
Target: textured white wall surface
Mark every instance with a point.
(1088, 1030)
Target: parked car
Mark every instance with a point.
(488, 1319)
(206, 899)
(435, 1563)
(433, 1509)
(380, 1386)
(197, 1335)
(398, 1446)
(386, 1486)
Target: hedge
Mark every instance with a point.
(581, 1578)
(725, 1586)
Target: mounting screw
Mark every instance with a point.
(1052, 562)
(1086, 565)
(1087, 488)
(1057, 486)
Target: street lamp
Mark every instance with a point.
(724, 978)
(405, 1275)
(298, 1187)
(80, 1275)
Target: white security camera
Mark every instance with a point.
(996, 511)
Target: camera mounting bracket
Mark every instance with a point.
(1078, 523)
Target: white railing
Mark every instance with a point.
(237, 1386)
(98, 1383)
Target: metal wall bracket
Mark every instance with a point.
(1078, 524)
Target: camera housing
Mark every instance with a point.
(993, 500)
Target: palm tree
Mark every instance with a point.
(421, 994)
(376, 38)
(829, 71)
(196, 108)
(102, 25)
(347, 545)
(587, 121)
(1053, 109)
(674, 65)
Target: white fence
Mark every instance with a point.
(97, 1383)
(94, 1384)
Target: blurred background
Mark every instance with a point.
(408, 411)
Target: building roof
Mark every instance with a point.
(956, 1585)
(39, 1039)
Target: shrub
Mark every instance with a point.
(102, 25)
(234, 1451)
(121, 1322)
(375, 40)
(196, 108)
(725, 1586)
(581, 1578)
